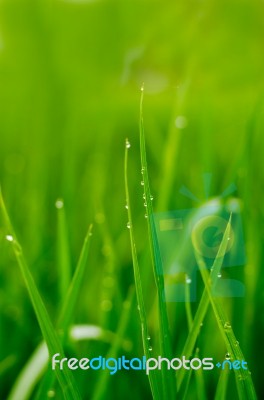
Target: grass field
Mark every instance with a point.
(89, 162)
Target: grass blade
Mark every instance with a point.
(139, 290)
(70, 301)
(204, 303)
(30, 374)
(63, 255)
(65, 378)
(37, 363)
(67, 311)
(201, 395)
(221, 390)
(101, 386)
(168, 377)
(244, 382)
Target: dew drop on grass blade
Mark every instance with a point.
(168, 376)
(139, 290)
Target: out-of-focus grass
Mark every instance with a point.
(70, 74)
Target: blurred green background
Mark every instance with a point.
(70, 78)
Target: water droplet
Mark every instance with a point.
(227, 325)
(142, 170)
(51, 394)
(146, 215)
(148, 338)
(144, 196)
(188, 280)
(151, 197)
(59, 204)
(142, 183)
(219, 275)
(201, 324)
(150, 348)
(228, 238)
(9, 238)
(128, 225)
(181, 122)
(126, 206)
(142, 88)
(237, 343)
(128, 145)
(227, 356)
(145, 204)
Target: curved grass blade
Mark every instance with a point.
(67, 311)
(204, 302)
(139, 290)
(168, 377)
(244, 382)
(65, 378)
(37, 363)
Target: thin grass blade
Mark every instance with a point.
(244, 382)
(64, 376)
(101, 385)
(168, 377)
(204, 302)
(67, 312)
(63, 253)
(153, 380)
(221, 390)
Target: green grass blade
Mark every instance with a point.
(70, 301)
(139, 290)
(221, 390)
(172, 149)
(30, 374)
(168, 377)
(201, 395)
(64, 376)
(37, 363)
(244, 382)
(187, 303)
(187, 386)
(67, 312)
(204, 303)
(101, 385)
(63, 253)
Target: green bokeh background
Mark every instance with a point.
(70, 78)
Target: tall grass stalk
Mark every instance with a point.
(168, 377)
(153, 380)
